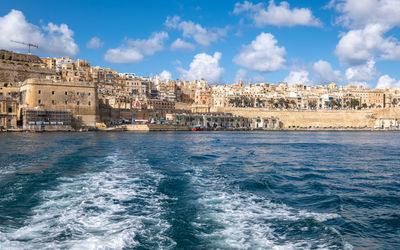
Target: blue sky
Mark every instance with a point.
(299, 41)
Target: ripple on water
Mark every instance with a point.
(245, 220)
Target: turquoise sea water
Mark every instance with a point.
(200, 190)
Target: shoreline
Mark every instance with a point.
(170, 128)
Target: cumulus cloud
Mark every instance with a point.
(358, 75)
(123, 54)
(258, 78)
(298, 77)
(195, 31)
(53, 39)
(203, 66)
(358, 46)
(240, 75)
(262, 54)
(165, 75)
(324, 72)
(133, 51)
(179, 44)
(278, 15)
(152, 45)
(367, 40)
(386, 81)
(356, 13)
(94, 43)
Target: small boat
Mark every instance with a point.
(197, 128)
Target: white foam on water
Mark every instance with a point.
(247, 221)
(99, 210)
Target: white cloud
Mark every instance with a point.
(324, 72)
(152, 45)
(360, 74)
(195, 31)
(358, 46)
(134, 50)
(165, 75)
(298, 77)
(94, 43)
(356, 13)
(172, 22)
(179, 44)
(386, 81)
(123, 54)
(278, 15)
(203, 66)
(53, 39)
(262, 54)
(240, 75)
(258, 78)
(331, 4)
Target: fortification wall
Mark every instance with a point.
(11, 71)
(318, 118)
(387, 113)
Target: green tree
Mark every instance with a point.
(293, 103)
(354, 103)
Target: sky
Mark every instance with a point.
(351, 42)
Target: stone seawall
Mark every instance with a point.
(155, 127)
(319, 118)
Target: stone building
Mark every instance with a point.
(371, 98)
(211, 120)
(16, 67)
(79, 97)
(8, 112)
(266, 123)
(158, 109)
(18, 57)
(387, 123)
(11, 91)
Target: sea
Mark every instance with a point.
(200, 190)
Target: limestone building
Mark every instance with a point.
(18, 57)
(17, 67)
(8, 112)
(78, 97)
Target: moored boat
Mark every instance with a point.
(197, 128)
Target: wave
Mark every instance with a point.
(246, 220)
(115, 208)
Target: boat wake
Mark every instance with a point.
(116, 208)
(243, 220)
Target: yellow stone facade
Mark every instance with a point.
(79, 97)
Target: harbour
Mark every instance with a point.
(210, 189)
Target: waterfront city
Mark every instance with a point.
(206, 124)
(61, 94)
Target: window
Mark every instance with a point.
(9, 110)
(39, 92)
(89, 94)
(39, 101)
(66, 102)
(89, 103)
(77, 93)
(53, 102)
(77, 103)
(66, 93)
(53, 92)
